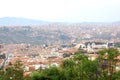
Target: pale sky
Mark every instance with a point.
(62, 10)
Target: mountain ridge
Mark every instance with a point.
(18, 21)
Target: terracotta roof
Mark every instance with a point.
(118, 57)
(68, 50)
(1, 60)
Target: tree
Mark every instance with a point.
(80, 67)
(15, 72)
(51, 73)
(1, 74)
(107, 62)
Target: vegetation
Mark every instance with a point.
(14, 72)
(30, 35)
(80, 67)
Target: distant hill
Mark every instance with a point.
(13, 21)
(57, 33)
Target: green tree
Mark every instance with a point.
(51, 73)
(107, 62)
(15, 72)
(1, 74)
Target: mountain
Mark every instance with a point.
(13, 21)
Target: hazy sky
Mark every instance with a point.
(62, 10)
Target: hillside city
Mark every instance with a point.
(39, 47)
(59, 40)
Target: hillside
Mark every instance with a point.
(60, 33)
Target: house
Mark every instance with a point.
(99, 45)
(93, 47)
(111, 45)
